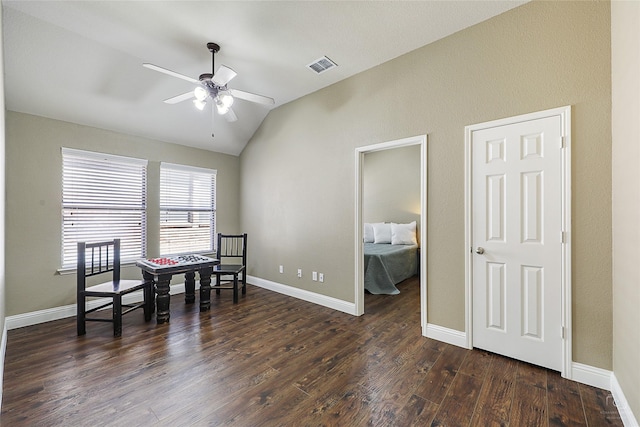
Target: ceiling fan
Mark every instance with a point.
(213, 86)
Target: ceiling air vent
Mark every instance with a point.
(322, 64)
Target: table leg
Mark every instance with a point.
(189, 287)
(205, 288)
(162, 298)
(149, 295)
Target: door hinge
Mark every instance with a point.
(563, 237)
(562, 141)
(562, 332)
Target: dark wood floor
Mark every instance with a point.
(273, 360)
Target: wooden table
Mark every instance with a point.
(160, 270)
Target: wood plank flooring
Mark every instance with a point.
(272, 360)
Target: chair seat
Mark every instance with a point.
(122, 287)
(228, 269)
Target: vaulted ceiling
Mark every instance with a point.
(81, 61)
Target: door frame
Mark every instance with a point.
(565, 117)
(359, 247)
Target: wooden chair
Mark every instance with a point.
(101, 258)
(231, 246)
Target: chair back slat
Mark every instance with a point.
(232, 246)
(98, 258)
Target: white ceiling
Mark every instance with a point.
(81, 61)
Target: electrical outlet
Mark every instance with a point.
(314, 276)
(299, 272)
(281, 269)
(321, 277)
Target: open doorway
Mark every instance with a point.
(419, 214)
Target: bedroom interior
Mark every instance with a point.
(391, 195)
(291, 188)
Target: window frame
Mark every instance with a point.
(192, 207)
(85, 168)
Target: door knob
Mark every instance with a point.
(479, 250)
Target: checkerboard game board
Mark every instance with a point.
(177, 260)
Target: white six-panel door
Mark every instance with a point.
(517, 236)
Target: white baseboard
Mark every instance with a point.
(590, 375)
(42, 316)
(450, 336)
(330, 302)
(621, 403)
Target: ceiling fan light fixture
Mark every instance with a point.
(199, 104)
(221, 106)
(226, 98)
(200, 93)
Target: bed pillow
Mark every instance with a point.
(403, 234)
(368, 233)
(381, 232)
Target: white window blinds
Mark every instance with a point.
(187, 209)
(103, 197)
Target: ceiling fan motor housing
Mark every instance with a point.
(205, 76)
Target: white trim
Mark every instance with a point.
(187, 168)
(359, 255)
(62, 312)
(330, 302)
(104, 156)
(567, 350)
(622, 405)
(565, 115)
(450, 336)
(468, 260)
(590, 375)
(3, 351)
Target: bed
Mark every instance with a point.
(390, 256)
(386, 265)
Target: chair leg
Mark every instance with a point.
(117, 315)
(244, 282)
(81, 308)
(235, 288)
(218, 281)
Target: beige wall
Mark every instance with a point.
(391, 185)
(625, 123)
(34, 188)
(298, 173)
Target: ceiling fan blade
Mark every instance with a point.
(230, 116)
(169, 72)
(224, 75)
(180, 98)
(248, 96)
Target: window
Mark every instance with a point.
(103, 197)
(187, 209)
